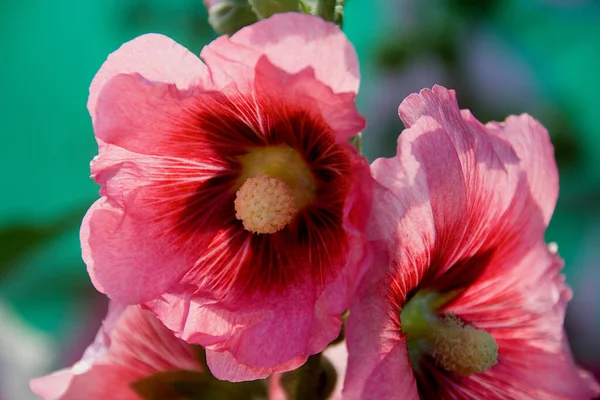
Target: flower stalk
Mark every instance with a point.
(326, 9)
(265, 8)
(315, 380)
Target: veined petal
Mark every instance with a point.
(158, 119)
(131, 344)
(234, 333)
(316, 44)
(378, 364)
(116, 252)
(531, 142)
(451, 171)
(523, 307)
(230, 64)
(338, 109)
(157, 58)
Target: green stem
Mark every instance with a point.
(326, 9)
(315, 380)
(308, 379)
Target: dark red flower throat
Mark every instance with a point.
(219, 133)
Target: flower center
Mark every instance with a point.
(456, 347)
(275, 183)
(264, 204)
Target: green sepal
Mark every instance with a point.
(326, 9)
(306, 7)
(229, 16)
(356, 141)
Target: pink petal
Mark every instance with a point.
(522, 304)
(116, 254)
(338, 110)
(58, 385)
(451, 170)
(131, 344)
(292, 42)
(145, 117)
(531, 142)
(224, 365)
(378, 364)
(357, 212)
(249, 70)
(253, 337)
(157, 58)
(99, 383)
(52, 386)
(148, 179)
(230, 64)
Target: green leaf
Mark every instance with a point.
(196, 385)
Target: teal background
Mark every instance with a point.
(540, 57)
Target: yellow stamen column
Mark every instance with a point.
(461, 348)
(275, 183)
(264, 204)
(454, 345)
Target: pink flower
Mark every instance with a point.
(131, 345)
(232, 204)
(472, 303)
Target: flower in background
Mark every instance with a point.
(24, 351)
(233, 205)
(469, 301)
(131, 345)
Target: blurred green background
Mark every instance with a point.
(502, 57)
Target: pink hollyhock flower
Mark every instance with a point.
(472, 303)
(232, 204)
(131, 345)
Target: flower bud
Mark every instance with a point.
(266, 8)
(229, 16)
